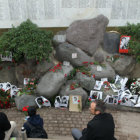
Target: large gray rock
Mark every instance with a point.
(85, 81)
(42, 68)
(111, 42)
(64, 53)
(7, 73)
(25, 100)
(136, 71)
(24, 71)
(107, 72)
(65, 91)
(124, 65)
(59, 38)
(51, 82)
(87, 34)
(99, 55)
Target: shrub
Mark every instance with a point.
(27, 41)
(133, 31)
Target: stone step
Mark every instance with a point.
(51, 137)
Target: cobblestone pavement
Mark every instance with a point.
(58, 122)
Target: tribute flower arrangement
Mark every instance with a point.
(29, 87)
(5, 99)
(135, 87)
(56, 68)
(74, 86)
(25, 110)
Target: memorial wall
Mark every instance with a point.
(61, 13)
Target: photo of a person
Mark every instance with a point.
(124, 42)
(75, 99)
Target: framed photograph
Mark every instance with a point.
(98, 85)
(75, 103)
(95, 94)
(123, 47)
(57, 101)
(42, 101)
(26, 80)
(64, 101)
(114, 87)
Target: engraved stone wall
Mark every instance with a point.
(61, 13)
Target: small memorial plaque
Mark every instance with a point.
(74, 55)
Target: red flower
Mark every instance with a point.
(91, 63)
(83, 73)
(13, 60)
(72, 87)
(37, 62)
(85, 62)
(134, 82)
(78, 101)
(93, 75)
(0, 67)
(119, 101)
(65, 75)
(89, 99)
(25, 108)
(3, 90)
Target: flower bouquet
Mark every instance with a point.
(74, 86)
(5, 99)
(135, 88)
(25, 110)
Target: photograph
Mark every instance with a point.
(75, 99)
(26, 80)
(6, 58)
(96, 94)
(64, 101)
(98, 85)
(123, 47)
(57, 101)
(113, 87)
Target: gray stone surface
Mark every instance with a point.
(136, 71)
(111, 42)
(64, 53)
(51, 82)
(78, 91)
(99, 55)
(7, 73)
(107, 72)
(25, 100)
(59, 38)
(123, 66)
(24, 71)
(42, 68)
(87, 34)
(85, 81)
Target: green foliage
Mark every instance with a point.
(27, 41)
(133, 31)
